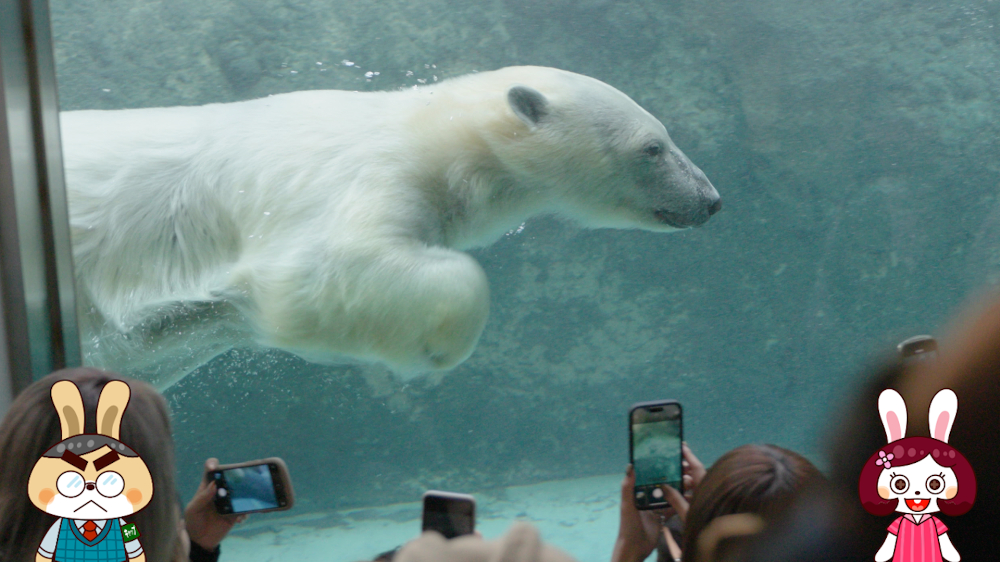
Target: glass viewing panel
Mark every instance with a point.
(854, 155)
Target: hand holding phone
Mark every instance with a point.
(449, 513)
(252, 487)
(655, 436)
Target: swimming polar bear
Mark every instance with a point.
(330, 223)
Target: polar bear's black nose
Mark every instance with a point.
(715, 207)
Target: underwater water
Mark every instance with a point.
(854, 144)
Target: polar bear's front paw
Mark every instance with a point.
(413, 308)
(452, 340)
(455, 307)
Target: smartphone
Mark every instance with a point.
(655, 435)
(252, 487)
(448, 513)
(916, 349)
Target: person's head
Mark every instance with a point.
(752, 479)
(968, 363)
(32, 426)
(521, 543)
(387, 556)
(833, 526)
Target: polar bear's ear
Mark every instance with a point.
(528, 104)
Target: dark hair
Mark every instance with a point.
(31, 426)
(758, 479)
(907, 451)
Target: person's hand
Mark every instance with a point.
(694, 471)
(638, 530)
(677, 501)
(205, 526)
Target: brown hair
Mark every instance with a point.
(757, 479)
(31, 426)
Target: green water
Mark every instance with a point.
(854, 144)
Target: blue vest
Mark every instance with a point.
(107, 546)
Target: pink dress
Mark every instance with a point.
(917, 542)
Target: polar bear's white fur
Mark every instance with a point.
(329, 222)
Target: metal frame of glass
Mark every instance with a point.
(37, 301)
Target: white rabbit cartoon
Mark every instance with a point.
(916, 477)
(90, 481)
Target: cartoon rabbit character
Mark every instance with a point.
(90, 481)
(917, 476)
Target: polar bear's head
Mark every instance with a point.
(597, 155)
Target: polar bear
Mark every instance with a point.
(331, 223)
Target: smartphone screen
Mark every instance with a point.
(450, 514)
(656, 433)
(247, 488)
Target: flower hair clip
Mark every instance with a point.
(884, 459)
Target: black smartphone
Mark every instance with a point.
(252, 487)
(655, 435)
(916, 349)
(448, 513)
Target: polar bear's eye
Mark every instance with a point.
(653, 149)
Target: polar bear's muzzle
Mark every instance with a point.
(685, 196)
(692, 218)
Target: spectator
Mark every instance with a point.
(758, 480)
(521, 543)
(31, 426)
(832, 526)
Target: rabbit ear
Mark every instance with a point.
(892, 410)
(69, 405)
(942, 414)
(111, 408)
